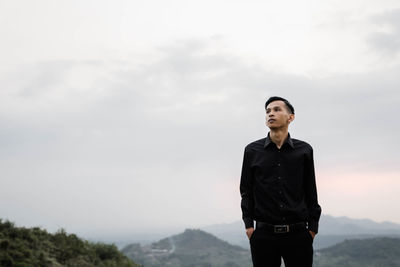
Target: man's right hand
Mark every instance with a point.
(249, 232)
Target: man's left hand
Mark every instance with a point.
(312, 234)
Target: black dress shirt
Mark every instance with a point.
(278, 185)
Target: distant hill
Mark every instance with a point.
(332, 230)
(330, 225)
(197, 248)
(190, 248)
(375, 252)
(21, 246)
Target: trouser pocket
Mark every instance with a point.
(252, 235)
(309, 236)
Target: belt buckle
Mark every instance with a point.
(279, 229)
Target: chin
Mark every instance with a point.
(273, 126)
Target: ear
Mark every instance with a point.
(291, 118)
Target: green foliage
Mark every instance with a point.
(36, 247)
(196, 248)
(193, 248)
(360, 253)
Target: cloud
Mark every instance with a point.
(136, 144)
(386, 37)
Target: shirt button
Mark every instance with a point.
(279, 178)
(280, 191)
(279, 164)
(281, 205)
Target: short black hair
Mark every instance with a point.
(276, 98)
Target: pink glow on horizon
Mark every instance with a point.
(370, 195)
(358, 184)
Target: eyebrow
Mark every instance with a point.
(273, 107)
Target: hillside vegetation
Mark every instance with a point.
(21, 247)
(374, 252)
(194, 248)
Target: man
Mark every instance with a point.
(279, 193)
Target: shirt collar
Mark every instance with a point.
(287, 140)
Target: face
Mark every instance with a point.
(278, 115)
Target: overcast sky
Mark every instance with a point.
(132, 116)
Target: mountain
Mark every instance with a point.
(330, 225)
(332, 230)
(193, 247)
(233, 233)
(196, 248)
(21, 246)
(375, 252)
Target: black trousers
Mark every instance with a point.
(295, 248)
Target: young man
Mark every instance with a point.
(279, 193)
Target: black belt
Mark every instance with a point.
(281, 228)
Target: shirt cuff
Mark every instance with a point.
(248, 222)
(313, 226)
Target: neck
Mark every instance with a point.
(278, 136)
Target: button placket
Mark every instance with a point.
(280, 181)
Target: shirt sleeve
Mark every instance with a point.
(310, 190)
(246, 192)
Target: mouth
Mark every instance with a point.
(271, 120)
